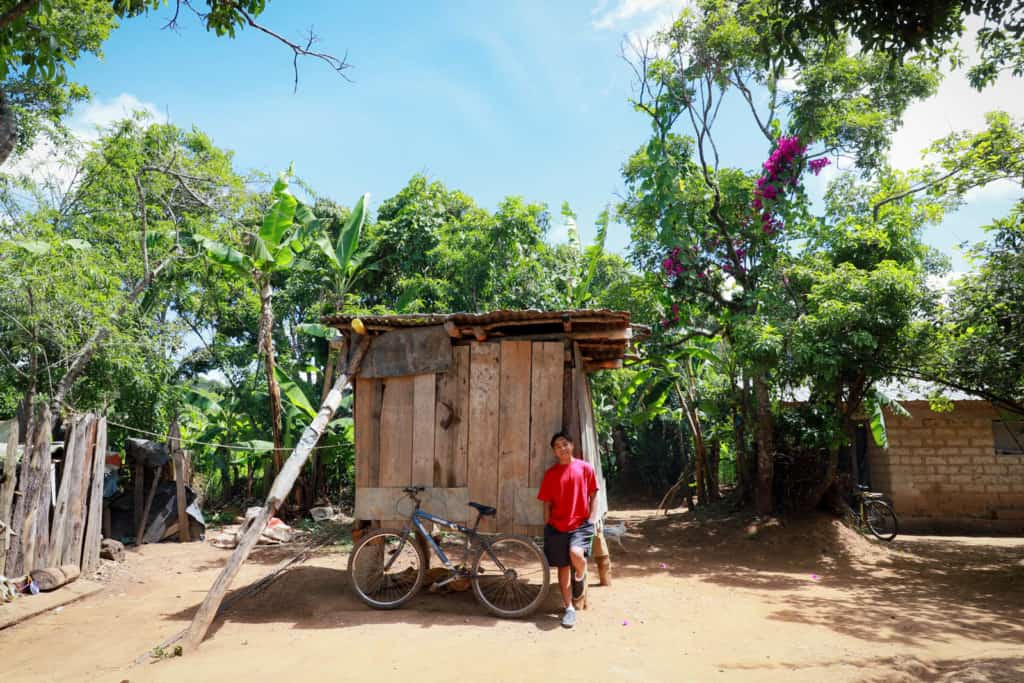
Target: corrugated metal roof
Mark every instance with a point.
(899, 390)
(591, 316)
(601, 334)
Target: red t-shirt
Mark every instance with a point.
(568, 488)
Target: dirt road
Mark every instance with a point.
(693, 600)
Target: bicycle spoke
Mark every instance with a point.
(511, 576)
(386, 569)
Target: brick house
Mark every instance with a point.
(958, 471)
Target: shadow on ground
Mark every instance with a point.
(899, 592)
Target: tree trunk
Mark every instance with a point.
(623, 473)
(687, 468)
(700, 460)
(267, 347)
(8, 128)
(26, 515)
(765, 447)
(714, 453)
(743, 479)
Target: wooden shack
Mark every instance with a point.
(466, 405)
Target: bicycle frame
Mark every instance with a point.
(417, 519)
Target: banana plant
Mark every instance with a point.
(874, 402)
(578, 292)
(345, 260)
(285, 230)
(679, 372)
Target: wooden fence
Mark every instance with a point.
(71, 487)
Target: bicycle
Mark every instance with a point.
(876, 514)
(508, 572)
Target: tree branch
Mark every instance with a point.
(145, 225)
(745, 91)
(1010, 404)
(911, 191)
(16, 12)
(338, 65)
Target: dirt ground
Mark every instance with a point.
(694, 598)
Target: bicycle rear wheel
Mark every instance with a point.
(387, 568)
(881, 519)
(510, 576)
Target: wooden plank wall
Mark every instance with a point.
(485, 425)
(513, 429)
(451, 442)
(424, 396)
(546, 417)
(396, 432)
(484, 388)
(368, 399)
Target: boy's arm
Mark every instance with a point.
(590, 507)
(547, 511)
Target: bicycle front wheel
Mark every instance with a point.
(510, 576)
(387, 568)
(881, 519)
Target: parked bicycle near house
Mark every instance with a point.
(508, 572)
(875, 514)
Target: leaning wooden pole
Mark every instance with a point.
(279, 491)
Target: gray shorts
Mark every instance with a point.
(557, 543)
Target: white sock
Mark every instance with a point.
(579, 577)
(570, 608)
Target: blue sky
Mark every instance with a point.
(495, 99)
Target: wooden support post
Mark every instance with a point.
(145, 511)
(7, 493)
(94, 521)
(138, 491)
(279, 491)
(74, 534)
(60, 510)
(44, 501)
(174, 446)
(21, 556)
(602, 558)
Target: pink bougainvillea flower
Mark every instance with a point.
(817, 164)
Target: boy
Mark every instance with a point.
(568, 491)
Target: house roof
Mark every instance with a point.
(603, 335)
(899, 390)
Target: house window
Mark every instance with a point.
(1008, 436)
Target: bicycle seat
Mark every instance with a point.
(862, 487)
(485, 510)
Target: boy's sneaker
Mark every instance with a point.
(578, 585)
(569, 618)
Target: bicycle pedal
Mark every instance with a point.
(444, 581)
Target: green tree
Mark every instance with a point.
(115, 236)
(926, 29)
(981, 347)
(720, 239)
(39, 39)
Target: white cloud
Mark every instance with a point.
(995, 191)
(955, 107)
(944, 284)
(641, 19)
(54, 167)
(99, 113)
